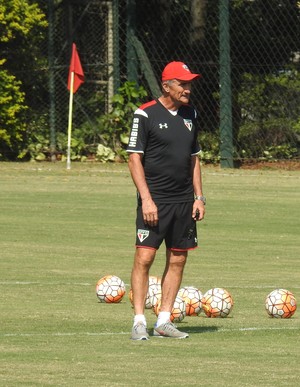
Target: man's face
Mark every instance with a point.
(179, 91)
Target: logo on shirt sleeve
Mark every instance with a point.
(134, 133)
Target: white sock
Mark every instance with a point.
(162, 318)
(139, 318)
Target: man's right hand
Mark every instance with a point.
(150, 213)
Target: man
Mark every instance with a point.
(165, 169)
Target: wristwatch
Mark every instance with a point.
(202, 198)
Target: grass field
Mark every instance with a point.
(60, 231)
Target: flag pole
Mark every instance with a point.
(75, 79)
(70, 121)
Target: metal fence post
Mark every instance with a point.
(226, 137)
(116, 48)
(132, 63)
(51, 80)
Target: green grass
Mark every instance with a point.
(60, 231)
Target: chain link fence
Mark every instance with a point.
(258, 117)
(87, 23)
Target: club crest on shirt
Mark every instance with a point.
(142, 234)
(188, 124)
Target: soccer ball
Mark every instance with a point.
(217, 302)
(130, 296)
(110, 289)
(281, 303)
(178, 312)
(192, 297)
(153, 296)
(154, 292)
(153, 279)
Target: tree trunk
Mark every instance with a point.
(198, 15)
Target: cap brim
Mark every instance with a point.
(189, 77)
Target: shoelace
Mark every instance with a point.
(139, 324)
(173, 326)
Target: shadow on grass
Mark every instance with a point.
(202, 329)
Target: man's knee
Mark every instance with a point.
(144, 257)
(178, 258)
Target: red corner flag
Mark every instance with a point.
(76, 68)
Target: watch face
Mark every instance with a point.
(202, 198)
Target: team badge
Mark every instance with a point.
(142, 234)
(188, 124)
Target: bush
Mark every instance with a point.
(115, 126)
(12, 106)
(270, 110)
(210, 147)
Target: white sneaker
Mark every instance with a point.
(168, 329)
(139, 332)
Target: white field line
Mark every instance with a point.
(234, 174)
(221, 330)
(128, 285)
(247, 175)
(45, 283)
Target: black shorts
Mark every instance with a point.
(175, 225)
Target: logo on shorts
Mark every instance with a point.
(142, 234)
(188, 124)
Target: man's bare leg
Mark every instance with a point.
(143, 260)
(175, 262)
(172, 277)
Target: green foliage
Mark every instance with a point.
(11, 108)
(18, 22)
(37, 149)
(36, 145)
(79, 148)
(104, 153)
(270, 110)
(19, 17)
(285, 151)
(210, 147)
(114, 127)
(104, 141)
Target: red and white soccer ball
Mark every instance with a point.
(110, 289)
(217, 302)
(178, 312)
(153, 293)
(192, 297)
(130, 296)
(153, 296)
(154, 279)
(281, 303)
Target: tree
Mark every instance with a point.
(21, 22)
(270, 115)
(198, 24)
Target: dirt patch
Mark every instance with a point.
(287, 165)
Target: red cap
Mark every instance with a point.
(178, 70)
